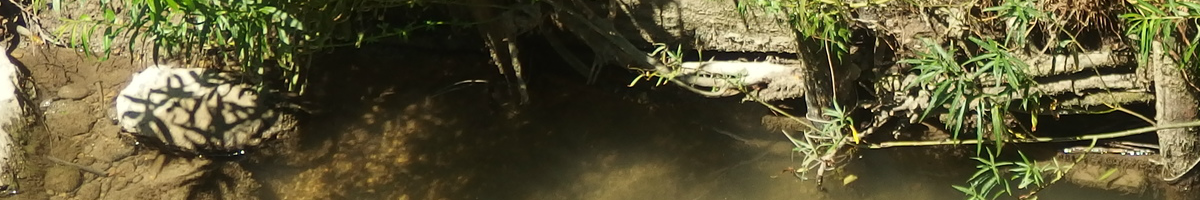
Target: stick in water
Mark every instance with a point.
(81, 167)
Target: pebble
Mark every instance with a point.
(88, 191)
(45, 105)
(74, 91)
(124, 167)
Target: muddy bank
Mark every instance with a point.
(75, 152)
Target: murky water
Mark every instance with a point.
(384, 135)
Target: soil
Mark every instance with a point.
(93, 160)
(1114, 172)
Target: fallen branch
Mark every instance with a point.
(80, 167)
(1040, 139)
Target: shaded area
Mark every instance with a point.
(385, 131)
(385, 135)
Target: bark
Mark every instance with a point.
(818, 86)
(1176, 102)
(826, 81)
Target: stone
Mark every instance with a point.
(88, 191)
(244, 122)
(126, 168)
(70, 117)
(106, 145)
(62, 179)
(74, 91)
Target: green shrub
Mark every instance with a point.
(261, 35)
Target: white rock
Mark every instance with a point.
(10, 112)
(194, 111)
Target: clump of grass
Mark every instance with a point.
(1020, 18)
(823, 149)
(823, 26)
(984, 84)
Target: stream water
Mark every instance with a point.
(385, 135)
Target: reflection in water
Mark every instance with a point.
(384, 137)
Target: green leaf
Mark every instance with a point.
(995, 9)
(107, 45)
(171, 4)
(978, 129)
(936, 100)
(961, 104)
(191, 4)
(963, 189)
(155, 8)
(109, 15)
(998, 127)
(1130, 16)
(1143, 6)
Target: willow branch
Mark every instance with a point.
(1040, 139)
(1059, 173)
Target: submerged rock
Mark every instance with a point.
(198, 111)
(62, 179)
(70, 117)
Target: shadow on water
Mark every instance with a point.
(383, 136)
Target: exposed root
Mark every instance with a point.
(768, 81)
(499, 32)
(1043, 65)
(516, 66)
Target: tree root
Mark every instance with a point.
(80, 167)
(1044, 65)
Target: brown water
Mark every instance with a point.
(384, 136)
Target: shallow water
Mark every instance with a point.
(384, 135)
